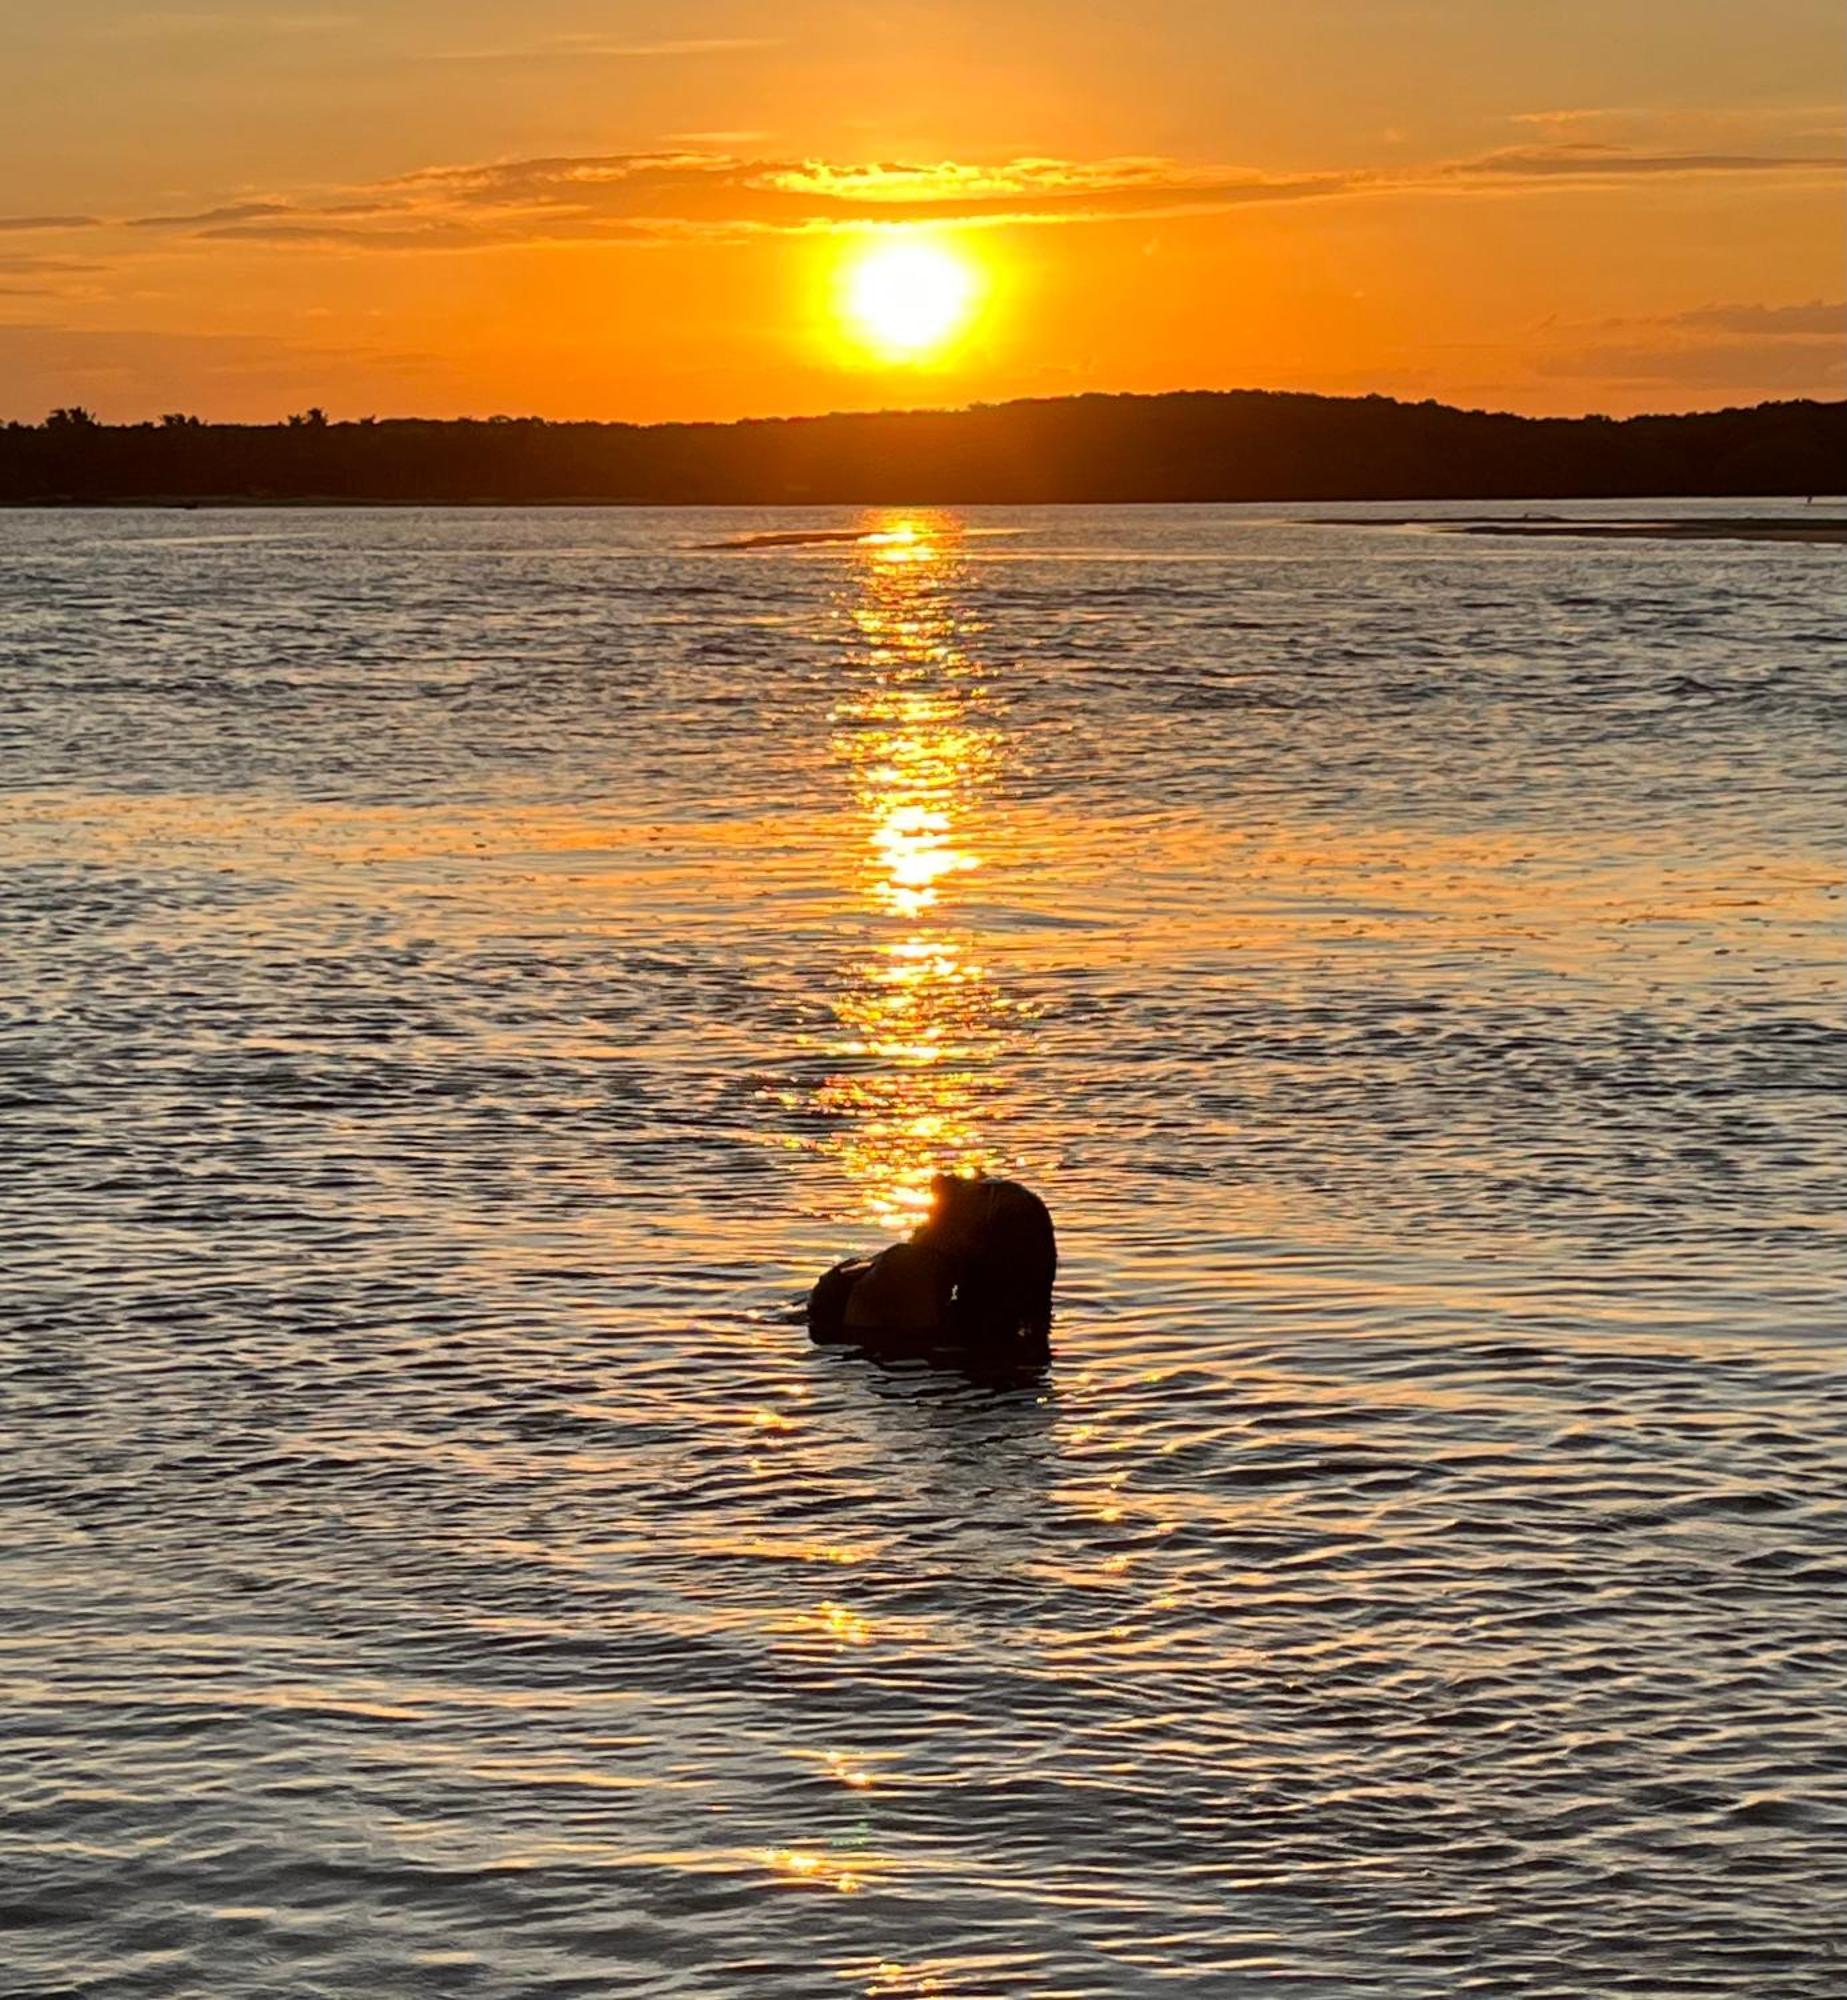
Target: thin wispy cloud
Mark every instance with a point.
(580, 48)
(242, 211)
(1587, 160)
(1793, 349)
(1750, 367)
(162, 23)
(1817, 320)
(1609, 118)
(47, 267)
(1812, 319)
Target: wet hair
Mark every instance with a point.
(997, 1238)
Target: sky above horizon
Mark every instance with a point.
(648, 209)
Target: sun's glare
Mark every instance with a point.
(908, 299)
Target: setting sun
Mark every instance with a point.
(906, 300)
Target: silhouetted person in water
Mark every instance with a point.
(973, 1282)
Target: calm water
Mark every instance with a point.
(464, 973)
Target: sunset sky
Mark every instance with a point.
(637, 209)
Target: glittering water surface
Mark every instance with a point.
(466, 971)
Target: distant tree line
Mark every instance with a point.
(1237, 445)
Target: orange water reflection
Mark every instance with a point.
(914, 734)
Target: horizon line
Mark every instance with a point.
(315, 415)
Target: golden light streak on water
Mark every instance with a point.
(803, 1865)
(920, 1016)
(847, 1771)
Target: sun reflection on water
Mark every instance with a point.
(920, 1016)
(798, 1864)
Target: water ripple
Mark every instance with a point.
(465, 973)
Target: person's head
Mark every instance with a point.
(996, 1236)
(958, 1210)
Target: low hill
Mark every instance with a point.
(1235, 445)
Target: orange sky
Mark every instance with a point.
(639, 208)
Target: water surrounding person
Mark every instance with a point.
(471, 970)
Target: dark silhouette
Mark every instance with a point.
(1699, 528)
(974, 1281)
(1240, 445)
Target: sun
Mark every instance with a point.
(907, 300)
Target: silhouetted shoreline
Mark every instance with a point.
(1240, 445)
(1823, 530)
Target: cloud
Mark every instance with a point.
(32, 277)
(655, 197)
(243, 211)
(1786, 349)
(674, 194)
(1664, 123)
(334, 235)
(579, 48)
(22, 223)
(1584, 160)
(1757, 367)
(1815, 320)
(1030, 190)
(35, 266)
(706, 191)
(156, 24)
